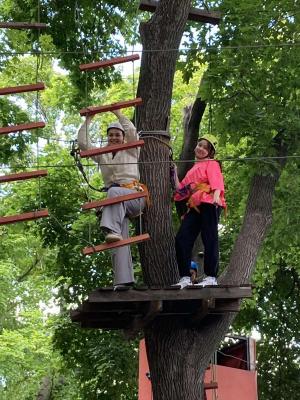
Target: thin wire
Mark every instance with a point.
(253, 364)
(37, 105)
(181, 50)
(230, 159)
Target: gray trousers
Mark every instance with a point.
(116, 218)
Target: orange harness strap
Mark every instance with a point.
(139, 187)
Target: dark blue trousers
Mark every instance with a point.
(193, 223)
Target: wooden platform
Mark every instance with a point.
(195, 14)
(132, 309)
(108, 63)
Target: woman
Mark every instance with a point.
(121, 176)
(203, 189)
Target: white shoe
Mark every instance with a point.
(183, 282)
(113, 237)
(208, 281)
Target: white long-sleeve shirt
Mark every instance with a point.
(120, 168)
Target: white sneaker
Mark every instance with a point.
(208, 281)
(113, 237)
(183, 282)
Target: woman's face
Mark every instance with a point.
(115, 136)
(202, 149)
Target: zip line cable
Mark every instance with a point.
(180, 50)
(229, 159)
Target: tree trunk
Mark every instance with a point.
(162, 35)
(45, 389)
(191, 121)
(178, 353)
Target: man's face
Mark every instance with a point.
(115, 136)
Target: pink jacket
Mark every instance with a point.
(203, 172)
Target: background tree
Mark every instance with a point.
(254, 92)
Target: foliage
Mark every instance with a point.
(81, 32)
(252, 84)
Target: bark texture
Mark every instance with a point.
(179, 353)
(158, 254)
(160, 38)
(191, 122)
(45, 389)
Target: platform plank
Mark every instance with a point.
(133, 310)
(23, 88)
(180, 294)
(21, 176)
(92, 110)
(111, 149)
(22, 127)
(108, 63)
(195, 14)
(11, 219)
(113, 200)
(108, 246)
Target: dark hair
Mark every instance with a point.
(210, 148)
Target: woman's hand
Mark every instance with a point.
(216, 197)
(117, 113)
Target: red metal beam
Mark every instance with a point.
(107, 246)
(22, 127)
(110, 107)
(110, 149)
(21, 89)
(108, 63)
(195, 14)
(113, 200)
(11, 219)
(22, 25)
(21, 176)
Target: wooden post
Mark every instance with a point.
(22, 127)
(107, 246)
(110, 149)
(22, 25)
(11, 219)
(110, 107)
(113, 200)
(22, 89)
(108, 63)
(21, 176)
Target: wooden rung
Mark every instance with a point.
(112, 148)
(210, 385)
(22, 89)
(110, 107)
(113, 200)
(21, 176)
(22, 127)
(195, 14)
(108, 63)
(11, 219)
(22, 25)
(107, 246)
